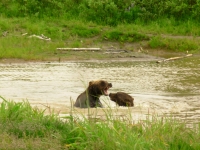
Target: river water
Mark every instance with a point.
(168, 88)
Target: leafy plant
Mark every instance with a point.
(109, 12)
(124, 37)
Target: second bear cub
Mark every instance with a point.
(122, 99)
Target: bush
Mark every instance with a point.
(116, 35)
(178, 9)
(109, 12)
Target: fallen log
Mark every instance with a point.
(114, 51)
(41, 37)
(79, 49)
(174, 58)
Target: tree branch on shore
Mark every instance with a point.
(174, 58)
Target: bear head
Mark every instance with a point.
(99, 87)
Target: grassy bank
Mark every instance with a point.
(171, 25)
(16, 40)
(24, 127)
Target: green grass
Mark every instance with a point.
(25, 127)
(175, 44)
(121, 36)
(78, 33)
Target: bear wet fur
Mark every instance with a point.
(122, 99)
(90, 97)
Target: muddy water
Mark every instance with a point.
(164, 88)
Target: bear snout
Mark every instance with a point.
(109, 85)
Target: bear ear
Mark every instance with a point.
(110, 84)
(90, 83)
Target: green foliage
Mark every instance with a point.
(117, 35)
(21, 120)
(76, 33)
(106, 12)
(39, 8)
(25, 125)
(174, 44)
(109, 12)
(84, 32)
(178, 9)
(156, 42)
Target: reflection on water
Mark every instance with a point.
(172, 87)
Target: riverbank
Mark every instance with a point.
(32, 39)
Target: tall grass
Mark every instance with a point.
(24, 127)
(175, 44)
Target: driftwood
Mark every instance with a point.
(5, 33)
(24, 34)
(115, 51)
(174, 58)
(79, 49)
(107, 51)
(42, 37)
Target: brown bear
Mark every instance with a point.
(90, 97)
(122, 99)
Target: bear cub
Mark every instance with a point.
(122, 99)
(90, 97)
